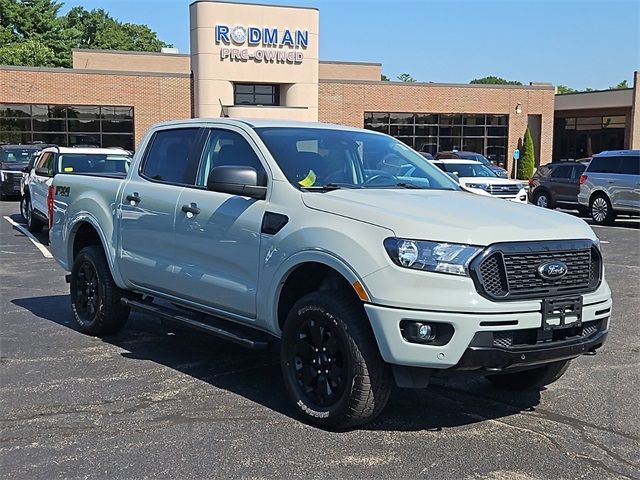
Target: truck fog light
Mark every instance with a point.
(418, 332)
(425, 332)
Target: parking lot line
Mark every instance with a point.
(45, 252)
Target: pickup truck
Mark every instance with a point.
(293, 236)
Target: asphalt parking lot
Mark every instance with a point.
(150, 402)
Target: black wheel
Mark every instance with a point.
(330, 362)
(95, 298)
(533, 379)
(601, 211)
(33, 224)
(543, 200)
(23, 207)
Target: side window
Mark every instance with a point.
(629, 165)
(604, 165)
(577, 171)
(561, 172)
(167, 157)
(46, 161)
(224, 147)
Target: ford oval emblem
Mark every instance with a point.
(553, 270)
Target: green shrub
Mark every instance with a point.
(527, 161)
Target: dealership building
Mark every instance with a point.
(262, 61)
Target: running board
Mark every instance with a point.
(218, 327)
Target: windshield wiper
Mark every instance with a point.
(327, 187)
(408, 185)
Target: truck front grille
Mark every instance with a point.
(510, 271)
(537, 336)
(511, 190)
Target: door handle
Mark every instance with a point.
(193, 209)
(610, 181)
(134, 198)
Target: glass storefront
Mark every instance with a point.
(580, 137)
(437, 132)
(66, 126)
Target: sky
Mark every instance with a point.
(578, 43)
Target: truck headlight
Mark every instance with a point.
(3, 176)
(450, 258)
(481, 186)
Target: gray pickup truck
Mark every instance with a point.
(314, 239)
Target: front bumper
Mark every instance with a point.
(464, 345)
(10, 186)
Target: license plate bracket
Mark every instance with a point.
(561, 312)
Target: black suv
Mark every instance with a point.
(455, 154)
(13, 159)
(558, 184)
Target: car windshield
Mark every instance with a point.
(318, 157)
(469, 170)
(477, 157)
(94, 163)
(17, 155)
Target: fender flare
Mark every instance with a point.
(72, 229)
(289, 265)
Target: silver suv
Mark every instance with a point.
(611, 185)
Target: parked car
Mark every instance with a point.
(293, 235)
(13, 159)
(478, 157)
(557, 185)
(611, 185)
(480, 179)
(37, 197)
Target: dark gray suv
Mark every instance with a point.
(611, 185)
(557, 185)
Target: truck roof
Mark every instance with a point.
(88, 150)
(262, 122)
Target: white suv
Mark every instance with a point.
(479, 178)
(37, 198)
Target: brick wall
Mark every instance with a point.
(154, 97)
(345, 102)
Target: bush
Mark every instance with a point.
(527, 161)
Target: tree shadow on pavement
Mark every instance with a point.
(256, 375)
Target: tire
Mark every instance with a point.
(95, 298)
(601, 211)
(543, 200)
(533, 379)
(33, 224)
(23, 207)
(329, 330)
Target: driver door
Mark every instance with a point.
(217, 235)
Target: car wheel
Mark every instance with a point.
(543, 200)
(95, 298)
(533, 379)
(23, 207)
(33, 224)
(330, 362)
(601, 211)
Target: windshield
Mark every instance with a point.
(469, 170)
(475, 156)
(316, 157)
(18, 155)
(93, 163)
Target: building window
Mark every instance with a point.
(66, 126)
(431, 132)
(580, 137)
(256, 94)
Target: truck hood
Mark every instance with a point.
(13, 165)
(449, 216)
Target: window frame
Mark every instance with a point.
(275, 94)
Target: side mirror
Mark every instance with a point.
(236, 180)
(42, 172)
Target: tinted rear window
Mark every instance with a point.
(93, 163)
(622, 164)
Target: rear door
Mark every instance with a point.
(574, 186)
(560, 183)
(217, 247)
(148, 208)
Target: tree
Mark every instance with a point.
(623, 84)
(527, 160)
(33, 33)
(384, 78)
(562, 89)
(405, 77)
(492, 80)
